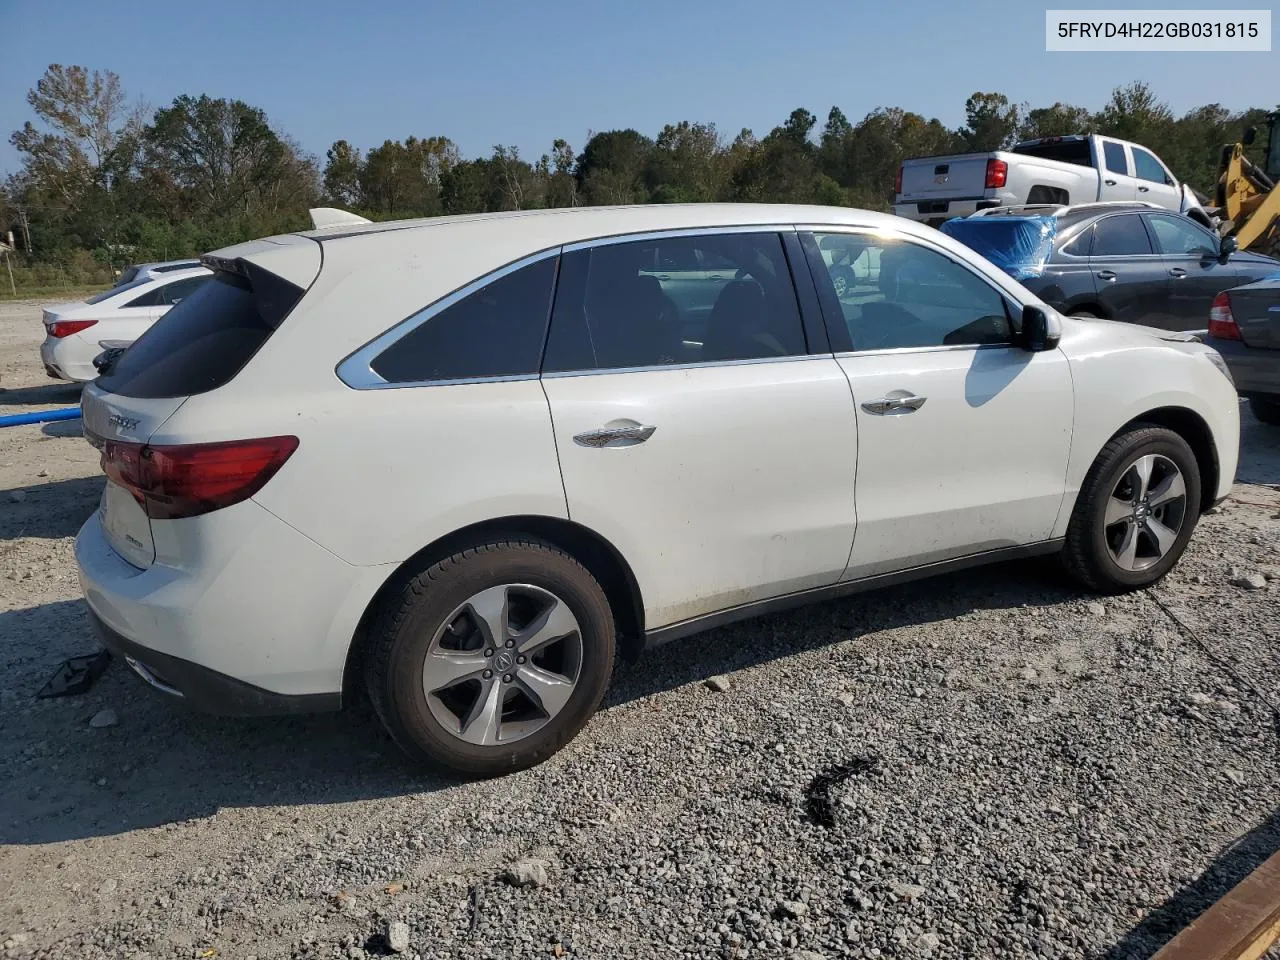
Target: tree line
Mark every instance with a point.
(103, 180)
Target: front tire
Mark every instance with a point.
(492, 659)
(1266, 409)
(1136, 511)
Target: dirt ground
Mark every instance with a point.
(1052, 775)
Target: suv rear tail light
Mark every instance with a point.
(997, 173)
(65, 328)
(1221, 322)
(187, 480)
(897, 182)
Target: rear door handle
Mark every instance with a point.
(1143, 189)
(1107, 275)
(1109, 183)
(1178, 273)
(894, 406)
(626, 434)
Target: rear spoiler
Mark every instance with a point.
(324, 218)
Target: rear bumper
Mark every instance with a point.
(207, 690)
(924, 210)
(238, 613)
(1255, 371)
(69, 359)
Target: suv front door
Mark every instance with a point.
(1190, 255)
(721, 467)
(962, 437)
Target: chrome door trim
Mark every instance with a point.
(695, 365)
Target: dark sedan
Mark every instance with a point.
(1128, 262)
(1244, 327)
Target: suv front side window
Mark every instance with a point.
(917, 297)
(1177, 236)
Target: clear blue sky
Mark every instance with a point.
(525, 73)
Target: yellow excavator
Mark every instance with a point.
(1248, 195)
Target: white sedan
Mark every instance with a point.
(76, 332)
(464, 462)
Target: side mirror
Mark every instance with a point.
(1226, 248)
(1035, 335)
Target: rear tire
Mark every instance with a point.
(1127, 531)
(442, 670)
(1084, 315)
(1266, 409)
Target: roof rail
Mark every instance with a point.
(1056, 209)
(323, 218)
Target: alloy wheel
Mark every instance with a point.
(1145, 512)
(503, 665)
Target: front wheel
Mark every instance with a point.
(1266, 409)
(492, 659)
(1136, 511)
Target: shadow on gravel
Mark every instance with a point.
(1259, 450)
(61, 780)
(1037, 582)
(1235, 863)
(45, 393)
(49, 511)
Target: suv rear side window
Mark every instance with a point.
(725, 297)
(206, 339)
(495, 331)
(1115, 158)
(1120, 236)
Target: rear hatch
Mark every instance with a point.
(197, 347)
(1256, 309)
(941, 178)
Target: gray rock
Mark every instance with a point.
(793, 908)
(104, 718)
(527, 872)
(397, 935)
(1235, 776)
(928, 941)
(108, 885)
(1028, 673)
(1250, 581)
(1096, 609)
(717, 684)
(908, 891)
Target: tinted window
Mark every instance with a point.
(1115, 157)
(1067, 151)
(1120, 236)
(172, 293)
(1147, 167)
(1079, 247)
(1179, 236)
(910, 296)
(206, 339)
(724, 297)
(495, 331)
(118, 289)
(149, 299)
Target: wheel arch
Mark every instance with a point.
(1192, 427)
(601, 558)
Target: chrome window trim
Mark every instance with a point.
(676, 232)
(941, 348)
(357, 372)
(695, 365)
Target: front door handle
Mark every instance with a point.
(1178, 273)
(625, 433)
(1107, 275)
(1143, 189)
(894, 406)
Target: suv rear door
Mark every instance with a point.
(1190, 255)
(723, 479)
(1129, 275)
(1118, 182)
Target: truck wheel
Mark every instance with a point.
(1135, 512)
(492, 659)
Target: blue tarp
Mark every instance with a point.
(1017, 245)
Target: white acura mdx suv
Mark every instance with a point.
(461, 462)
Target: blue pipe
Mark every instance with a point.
(40, 416)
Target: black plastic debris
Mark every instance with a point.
(821, 793)
(75, 676)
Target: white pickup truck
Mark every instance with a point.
(1051, 170)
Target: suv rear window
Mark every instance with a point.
(206, 339)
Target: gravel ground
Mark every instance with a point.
(986, 765)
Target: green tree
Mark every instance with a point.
(991, 122)
(342, 174)
(1058, 120)
(612, 165)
